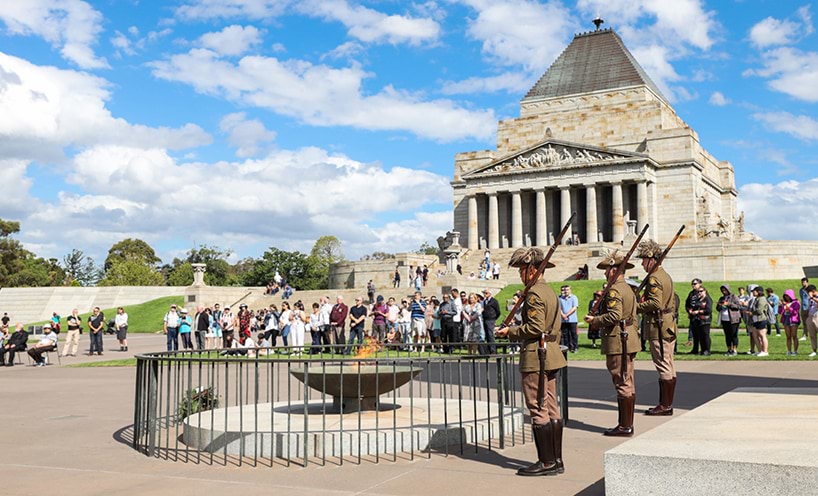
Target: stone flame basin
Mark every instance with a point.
(358, 387)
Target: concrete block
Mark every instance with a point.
(748, 441)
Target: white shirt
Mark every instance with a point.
(121, 319)
(172, 319)
(48, 339)
(284, 319)
(325, 311)
(459, 309)
(392, 316)
(405, 315)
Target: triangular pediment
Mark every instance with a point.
(555, 154)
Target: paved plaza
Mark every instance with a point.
(67, 431)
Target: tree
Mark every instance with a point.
(218, 268)
(299, 269)
(325, 252)
(20, 267)
(378, 255)
(80, 268)
(181, 275)
(133, 249)
(131, 272)
(426, 249)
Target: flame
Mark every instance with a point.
(369, 349)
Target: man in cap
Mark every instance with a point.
(620, 340)
(541, 318)
(657, 307)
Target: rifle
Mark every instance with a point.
(619, 270)
(528, 286)
(658, 317)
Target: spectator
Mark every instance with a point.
(216, 327)
(96, 322)
(244, 318)
(495, 271)
(487, 257)
(316, 328)
(171, 328)
(285, 322)
(418, 323)
(298, 321)
(425, 274)
(370, 291)
(202, 321)
(228, 327)
(446, 313)
(774, 301)
(744, 302)
(436, 328)
(185, 325)
(337, 321)
(405, 323)
(357, 317)
(812, 318)
(729, 310)
(568, 314)
(287, 292)
(48, 342)
(72, 338)
(55, 322)
(271, 321)
(803, 295)
(760, 312)
(326, 334)
(703, 320)
(491, 312)
(473, 318)
(593, 333)
(5, 320)
(121, 323)
(380, 314)
(693, 305)
(262, 345)
(790, 319)
(17, 342)
(396, 278)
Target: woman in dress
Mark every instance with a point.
(473, 317)
(284, 322)
(298, 320)
(790, 319)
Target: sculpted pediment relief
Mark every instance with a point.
(553, 154)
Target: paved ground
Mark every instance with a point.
(66, 431)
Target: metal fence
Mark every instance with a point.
(212, 408)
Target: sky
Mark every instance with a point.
(246, 124)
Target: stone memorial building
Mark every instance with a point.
(597, 137)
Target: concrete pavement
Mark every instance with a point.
(67, 430)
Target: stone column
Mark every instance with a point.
(591, 227)
(653, 218)
(473, 239)
(565, 212)
(618, 214)
(494, 223)
(642, 206)
(516, 220)
(542, 220)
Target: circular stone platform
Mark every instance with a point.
(280, 430)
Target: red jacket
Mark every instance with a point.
(338, 315)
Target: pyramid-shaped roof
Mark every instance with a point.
(594, 61)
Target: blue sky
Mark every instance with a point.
(253, 123)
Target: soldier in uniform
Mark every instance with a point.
(620, 339)
(541, 318)
(657, 307)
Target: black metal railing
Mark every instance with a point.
(216, 408)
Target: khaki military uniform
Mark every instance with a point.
(658, 308)
(618, 308)
(540, 313)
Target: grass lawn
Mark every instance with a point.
(122, 362)
(144, 317)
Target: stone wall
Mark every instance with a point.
(349, 275)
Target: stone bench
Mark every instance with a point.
(747, 441)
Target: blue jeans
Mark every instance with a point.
(352, 333)
(96, 342)
(173, 338)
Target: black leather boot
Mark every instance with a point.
(546, 464)
(556, 427)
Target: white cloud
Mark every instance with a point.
(324, 96)
(400, 236)
(509, 82)
(718, 99)
(245, 135)
(778, 211)
(791, 71)
(372, 26)
(45, 109)
(771, 31)
(800, 126)
(70, 25)
(232, 40)
(147, 193)
(362, 23)
(520, 32)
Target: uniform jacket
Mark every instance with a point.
(541, 312)
(619, 304)
(658, 302)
